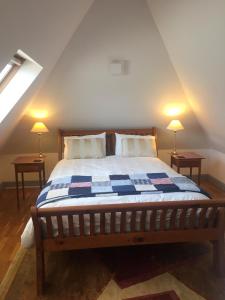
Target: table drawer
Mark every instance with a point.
(29, 168)
(188, 163)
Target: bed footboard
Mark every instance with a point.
(82, 227)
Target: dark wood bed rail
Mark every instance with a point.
(110, 136)
(198, 220)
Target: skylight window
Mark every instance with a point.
(5, 71)
(15, 79)
(10, 70)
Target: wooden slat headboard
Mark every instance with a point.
(110, 136)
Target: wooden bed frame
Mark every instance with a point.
(189, 221)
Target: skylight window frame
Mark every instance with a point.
(16, 62)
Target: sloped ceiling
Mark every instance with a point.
(41, 29)
(82, 93)
(193, 32)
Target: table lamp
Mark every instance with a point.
(175, 125)
(39, 128)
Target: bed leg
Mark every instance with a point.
(40, 269)
(219, 257)
(219, 245)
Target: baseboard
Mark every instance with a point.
(12, 184)
(206, 177)
(195, 177)
(216, 182)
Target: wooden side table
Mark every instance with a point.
(28, 164)
(187, 160)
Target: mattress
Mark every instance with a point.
(108, 166)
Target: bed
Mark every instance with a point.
(123, 219)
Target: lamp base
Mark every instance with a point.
(41, 155)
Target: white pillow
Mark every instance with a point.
(87, 146)
(140, 148)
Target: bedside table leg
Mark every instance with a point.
(191, 172)
(40, 180)
(44, 175)
(199, 175)
(17, 191)
(22, 176)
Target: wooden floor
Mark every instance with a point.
(12, 221)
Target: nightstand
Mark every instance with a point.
(28, 164)
(187, 160)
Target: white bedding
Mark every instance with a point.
(108, 166)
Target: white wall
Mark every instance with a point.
(216, 166)
(41, 29)
(194, 35)
(81, 92)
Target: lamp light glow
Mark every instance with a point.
(39, 114)
(174, 109)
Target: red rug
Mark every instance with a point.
(169, 295)
(132, 265)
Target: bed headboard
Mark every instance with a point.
(110, 136)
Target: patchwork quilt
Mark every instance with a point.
(114, 185)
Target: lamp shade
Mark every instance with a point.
(175, 125)
(39, 127)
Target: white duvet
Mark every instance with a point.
(108, 166)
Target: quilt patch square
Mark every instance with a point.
(119, 177)
(77, 191)
(167, 188)
(181, 179)
(57, 193)
(101, 183)
(141, 181)
(121, 182)
(161, 181)
(101, 189)
(157, 175)
(100, 178)
(123, 188)
(145, 187)
(80, 184)
(139, 176)
(59, 186)
(77, 178)
(66, 179)
(185, 184)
